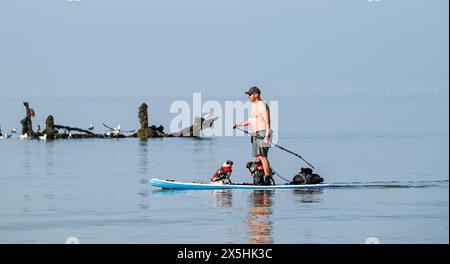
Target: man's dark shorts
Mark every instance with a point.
(258, 146)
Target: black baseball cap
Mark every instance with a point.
(253, 90)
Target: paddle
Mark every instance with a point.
(280, 147)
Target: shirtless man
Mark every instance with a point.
(260, 123)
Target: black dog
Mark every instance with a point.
(306, 176)
(257, 171)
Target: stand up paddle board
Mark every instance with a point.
(171, 184)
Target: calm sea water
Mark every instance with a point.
(390, 157)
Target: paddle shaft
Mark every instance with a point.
(276, 173)
(282, 148)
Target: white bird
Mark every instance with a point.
(44, 137)
(24, 136)
(91, 127)
(4, 136)
(115, 131)
(13, 131)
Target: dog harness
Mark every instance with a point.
(221, 173)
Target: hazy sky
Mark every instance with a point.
(55, 48)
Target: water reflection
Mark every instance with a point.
(222, 198)
(27, 165)
(49, 164)
(143, 171)
(258, 220)
(258, 217)
(49, 172)
(309, 195)
(26, 158)
(143, 157)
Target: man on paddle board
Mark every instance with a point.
(260, 123)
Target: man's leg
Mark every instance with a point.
(266, 165)
(267, 172)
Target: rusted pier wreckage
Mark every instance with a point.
(55, 131)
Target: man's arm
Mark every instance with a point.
(243, 123)
(266, 116)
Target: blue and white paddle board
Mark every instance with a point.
(171, 184)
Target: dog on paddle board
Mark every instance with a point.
(223, 174)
